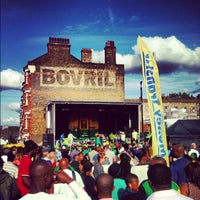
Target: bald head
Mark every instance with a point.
(157, 160)
(64, 163)
(104, 185)
(39, 168)
(41, 175)
(178, 150)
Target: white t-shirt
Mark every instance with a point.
(80, 193)
(78, 177)
(110, 155)
(63, 188)
(45, 196)
(166, 195)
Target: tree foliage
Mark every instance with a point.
(179, 95)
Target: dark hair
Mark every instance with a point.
(140, 153)
(124, 158)
(11, 156)
(192, 171)
(160, 176)
(30, 145)
(130, 177)
(65, 154)
(115, 170)
(104, 183)
(87, 166)
(125, 165)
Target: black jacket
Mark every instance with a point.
(8, 186)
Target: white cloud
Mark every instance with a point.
(98, 56)
(11, 79)
(127, 60)
(198, 81)
(167, 50)
(172, 50)
(11, 121)
(15, 106)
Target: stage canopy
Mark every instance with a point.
(185, 132)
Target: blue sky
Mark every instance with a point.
(171, 29)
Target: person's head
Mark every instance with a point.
(87, 167)
(98, 148)
(41, 175)
(10, 156)
(64, 163)
(115, 170)
(159, 176)
(192, 171)
(76, 157)
(157, 160)
(52, 156)
(80, 157)
(30, 147)
(104, 185)
(124, 158)
(14, 150)
(101, 157)
(45, 151)
(65, 154)
(142, 155)
(193, 146)
(132, 181)
(193, 156)
(178, 150)
(20, 153)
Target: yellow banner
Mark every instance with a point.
(152, 82)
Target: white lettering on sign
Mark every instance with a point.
(77, 77)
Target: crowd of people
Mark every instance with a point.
(107, 171)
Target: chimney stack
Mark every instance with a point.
(59, 46)
(86, 55)
(110, 53)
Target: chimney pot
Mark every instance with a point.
(110, 53)
(86, 55)
(59, 45)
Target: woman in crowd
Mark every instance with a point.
(125, 164)
(98, 168)
(18, 156)
(192, 187)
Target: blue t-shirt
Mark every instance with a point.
(177, 170)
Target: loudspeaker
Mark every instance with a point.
(48, 140)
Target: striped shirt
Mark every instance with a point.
(11, 168)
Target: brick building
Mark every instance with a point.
(63, 94)
(174, 109)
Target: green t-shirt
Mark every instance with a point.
(120, 186)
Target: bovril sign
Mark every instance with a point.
(77, 77)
